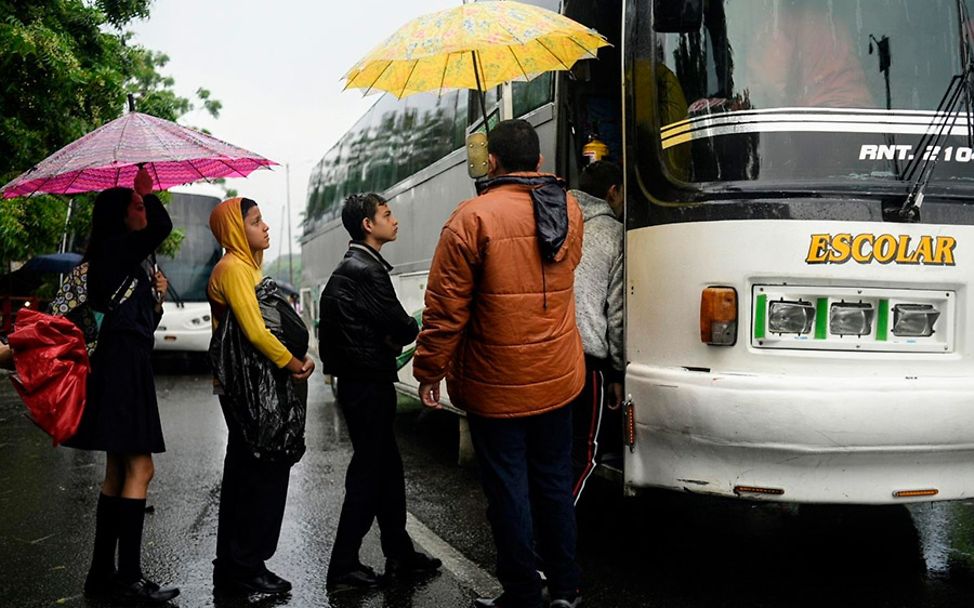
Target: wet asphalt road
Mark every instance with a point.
(659, 550)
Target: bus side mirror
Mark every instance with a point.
(677, 16)
(477, 155)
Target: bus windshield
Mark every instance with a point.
(189, 271)
(800, 91)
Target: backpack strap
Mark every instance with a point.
(123, 293)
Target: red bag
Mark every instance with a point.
(52, 371)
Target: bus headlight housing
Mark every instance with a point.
(791, 317)
(914, 320)
(851, 319)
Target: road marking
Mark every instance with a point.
(468, 573)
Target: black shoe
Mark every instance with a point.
(266, 582)
(143, 591)
(362, 577)
(500, 601)
(277, 580)
(417, 564)
(99, 585)
(567, 602)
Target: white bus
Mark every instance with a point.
(799, 189)
(185, 324)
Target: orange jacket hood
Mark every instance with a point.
(227, 225)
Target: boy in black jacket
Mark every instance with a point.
(362, 330)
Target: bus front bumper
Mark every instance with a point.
(187, 340)
(801, 439)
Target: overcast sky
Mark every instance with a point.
(277, 68)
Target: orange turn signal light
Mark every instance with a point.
(758, 490)
(718, 316)
(630, 426)
(915, 493)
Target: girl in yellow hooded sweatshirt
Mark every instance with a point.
(253, 493)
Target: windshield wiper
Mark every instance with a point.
(960, 89)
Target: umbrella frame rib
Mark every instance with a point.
(53, 175)
(446, 64)
(118, 144)
(405, 83)
(369, 90)
(161, 143)
(591, 55)
(552, 53)
(71, 183)
(156, 172)
(518, 62)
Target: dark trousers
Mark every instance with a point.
(374, 484)
(526, 472)
(252, 500)
(587, 412)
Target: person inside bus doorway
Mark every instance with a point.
(599, 312)
(363, 328)
(499, 325)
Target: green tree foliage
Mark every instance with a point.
(65, 69)
(279, 269)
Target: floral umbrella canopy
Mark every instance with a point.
(474, 46)
(112, 154)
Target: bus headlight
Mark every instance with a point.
(914, 320)
(790, 317)
(851, 319)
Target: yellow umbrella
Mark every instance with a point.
(474, 46)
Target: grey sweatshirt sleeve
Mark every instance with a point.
(615, 313)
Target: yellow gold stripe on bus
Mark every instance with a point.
(711, 131)
(824, 120)
(676, 141)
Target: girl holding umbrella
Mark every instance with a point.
(121, 417)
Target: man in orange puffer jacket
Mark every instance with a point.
(499, 325)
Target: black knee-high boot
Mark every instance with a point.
(102, 570)
(131, 520)
(131, 585)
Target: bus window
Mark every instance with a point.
(533, 94)
(461, 119)
(764, 86)
(394, 140)
(474, 114)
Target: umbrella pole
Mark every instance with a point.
(67, 221)
(480, 90)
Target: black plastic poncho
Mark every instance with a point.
(267, 404)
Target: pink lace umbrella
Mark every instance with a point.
(110, 156)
